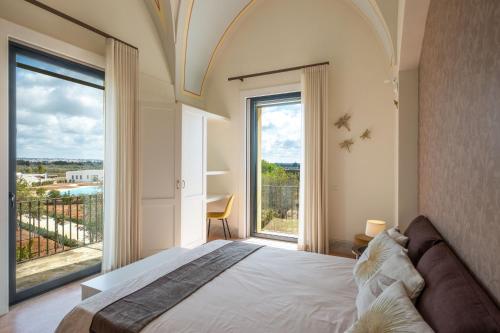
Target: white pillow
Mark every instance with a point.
(397, 236)
(379, 249)
(397, 268)
(392, 311)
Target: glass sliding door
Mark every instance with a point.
(275, 162)
(56, 171)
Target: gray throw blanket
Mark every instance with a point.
(133, 312)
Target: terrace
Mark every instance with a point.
(57, 236)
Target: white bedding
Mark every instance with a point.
(272, 290)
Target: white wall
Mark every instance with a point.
(408, 147)
(130, 22)
(272, 36)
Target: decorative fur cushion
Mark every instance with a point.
(397, 268)
(379, 250)
(397, 236)
(392, 311)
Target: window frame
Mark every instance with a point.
(252, 162)
(15, 48)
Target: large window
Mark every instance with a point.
(276, 151)
(56, 142)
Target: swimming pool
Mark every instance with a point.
(81, 190)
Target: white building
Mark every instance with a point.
(32, 178)
(84, 176)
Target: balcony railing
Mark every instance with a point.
(50, 226)
(280, 208)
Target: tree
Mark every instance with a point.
(53, 194)
(40, 168)
(66, 198)
(40, 192)
(23, 189)
(280, 190)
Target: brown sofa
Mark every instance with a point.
(452, 300)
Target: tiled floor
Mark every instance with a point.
(41, 314)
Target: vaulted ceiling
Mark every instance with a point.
(208, 21)
(191, 32)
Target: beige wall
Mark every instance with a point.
(459, 131)
(271, 36)
(408, 147)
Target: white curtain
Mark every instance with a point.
(122, 231)
(313, 226)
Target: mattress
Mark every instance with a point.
(272, 290)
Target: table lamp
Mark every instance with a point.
(374, 227)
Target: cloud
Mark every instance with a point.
(58, 118)
(281, 133)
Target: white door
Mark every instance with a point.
(193, 182)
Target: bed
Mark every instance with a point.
(270, 290)
(273, 290)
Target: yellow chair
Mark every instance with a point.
(222, 216)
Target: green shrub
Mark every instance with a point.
(66, 241)
(267, 216)
(24, 252)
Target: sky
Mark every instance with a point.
(281, 129)
(58, 118)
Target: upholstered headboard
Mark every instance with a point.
(452, 300)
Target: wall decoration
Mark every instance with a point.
(343, 122)
(346, 144)
(395, 90)
(367, 134)
(395, 85)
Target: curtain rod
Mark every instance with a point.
(76, 21)
(289, 69)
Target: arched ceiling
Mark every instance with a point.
(199, 28)
(208, 21)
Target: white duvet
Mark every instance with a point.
(272, 290)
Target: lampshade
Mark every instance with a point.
(374, 227)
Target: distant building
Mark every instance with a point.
(85, 176)
(32, 178)
(290, 166)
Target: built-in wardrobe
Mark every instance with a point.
(174, 176)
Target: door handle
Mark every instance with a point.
(12, 199)
(178, 184)
(183, 183)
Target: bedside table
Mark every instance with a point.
(362, 239)
(358, 250)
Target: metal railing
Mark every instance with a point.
(279, 201)
(50, 226)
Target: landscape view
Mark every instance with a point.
(59, 171)
(59, 208)
(280, 169)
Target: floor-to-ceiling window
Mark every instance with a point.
(275, 162)
(56, 170)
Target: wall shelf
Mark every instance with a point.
(213, 116)
(216, 197)
(217, 172)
